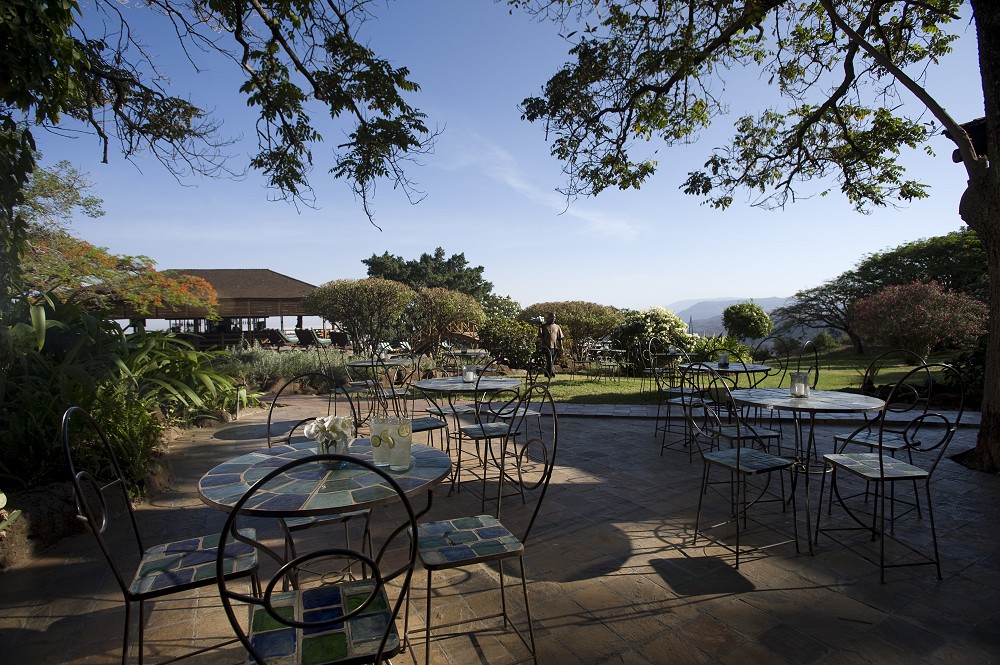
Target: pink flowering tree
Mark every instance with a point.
(918, 317)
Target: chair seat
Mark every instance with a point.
(486, 430)
(189, 563)
(355, 638)
(521, 412)
(450, 410)
(750, 461)
(428, 423)
(465, 540)
(866, 465)
(732, 433)
(890, 440)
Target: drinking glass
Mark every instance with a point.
(381, 436)
(399, 453)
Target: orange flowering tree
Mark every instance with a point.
(55, 262)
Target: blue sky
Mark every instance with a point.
(491, 183)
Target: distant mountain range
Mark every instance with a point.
(705, 316)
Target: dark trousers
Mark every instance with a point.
(550, 357)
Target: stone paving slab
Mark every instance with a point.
(612, 574)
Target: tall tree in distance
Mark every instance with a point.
(956, 261)
(843, 70)
(433, 271)
(746, 320)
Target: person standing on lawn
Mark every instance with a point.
(550, 338)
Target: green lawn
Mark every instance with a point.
(838, 370)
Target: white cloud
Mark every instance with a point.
(500, 165)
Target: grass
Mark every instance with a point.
(839, 369)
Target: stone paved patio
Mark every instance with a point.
(613, 577)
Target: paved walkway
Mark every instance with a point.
(613, 577)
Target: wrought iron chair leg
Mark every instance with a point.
(701, 497)
(527, 611)
(142, 623)
(503, 597)
(930, 517)
(427, 624)
(128, 621)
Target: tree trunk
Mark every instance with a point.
(980, 209)
(859, 344)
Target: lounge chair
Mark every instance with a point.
(278, 339)
(308, 337)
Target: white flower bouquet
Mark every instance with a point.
(332, 434)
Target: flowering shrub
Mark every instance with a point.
(918, 317)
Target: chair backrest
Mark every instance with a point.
(533, 450)
(317, 383)
(490, 405)
(888, 363)
(708, 393)
(339, 339)
(390, 385)
(99, 488)
(276, 338)
(316, 610)
(808, 361)
(934, 416)
(773, 352)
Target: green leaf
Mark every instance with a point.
(38, 323)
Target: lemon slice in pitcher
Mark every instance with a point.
(376, 441)
(405, 429)
(387, 439)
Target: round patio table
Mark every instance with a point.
(734, 367)
(311, 491)
(455, 384)
(397, 361)
(818, 401)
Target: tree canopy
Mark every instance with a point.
(746, 320)
(370, 310)
(956, 261)
(918, 317)
(433, 271)
(438, 312)
(85, 68)
(643, 71)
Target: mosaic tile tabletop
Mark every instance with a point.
(313, 489)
